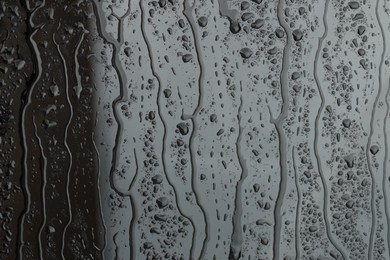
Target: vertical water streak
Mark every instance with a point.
(135, 212)
(70, 119)
(78, 88)
(123, 92)
(159, 94)
(278, 122)
(43, 193)
(32, 29)
(385, 180)
(123, 96)
(128, 193)
(298, 210)
(187, 12)
(369, 143)
(99, 194)
(316, 129)
(237, 237)
(116, 245)
(122, 78)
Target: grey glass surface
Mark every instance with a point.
(194, 129)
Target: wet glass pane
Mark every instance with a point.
(194, 129)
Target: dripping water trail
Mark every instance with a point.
(123, 95)
(135, 213)
(155, 75)
(43, 192)
(384, 180)
(298, 212)
(25, 104)
(128, 193)
(70, 119)
(78, 88)
(237, 237)
(99, 194)
(278, 122)
(373, 184)
(116, 245)
(316, 129)
(187, 12)
(122, 78)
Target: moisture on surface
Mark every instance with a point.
(194, 129)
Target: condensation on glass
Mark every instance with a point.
(194, 129)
